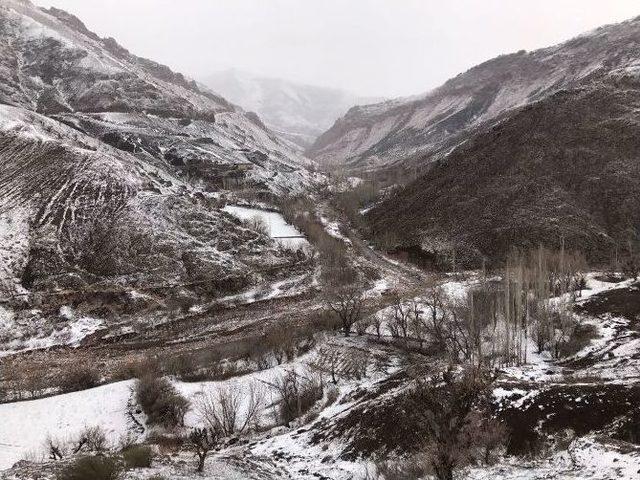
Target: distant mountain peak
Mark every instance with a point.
(297, 111)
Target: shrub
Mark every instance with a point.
(79, 378)
(231, 411)
(413, 468)
(298, 394)
(257, 224)
(166, 443)
(94, 438)
(91, 468)
(181, 366)
(136, 368)
(138, 456)
(161, 402)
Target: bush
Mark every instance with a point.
(181, 366)
(161, 402)
(136, 368)
(94, 438)
(79, 378)
(257, 224)
(138, 456)
(410, 469)
(297, 393)
(166, 443)
(91, 468)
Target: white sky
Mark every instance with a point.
(371, 47)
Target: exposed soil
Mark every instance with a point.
(620, 302)
(581, 408)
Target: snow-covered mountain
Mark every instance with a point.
(113, 165)
(411, 131)
(530, 149)
(298, 112)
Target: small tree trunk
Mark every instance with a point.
(201, 459)
(346, 329)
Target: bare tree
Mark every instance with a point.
(202, 441)
(399, 318)
(328, 361)
(221, 409)
(257, 224)
(449, 407)
(376, 321)
(347, 303)
(417, 322)
(436, 318)
(297, 392)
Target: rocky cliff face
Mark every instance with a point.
(109, 162)
(411, 132)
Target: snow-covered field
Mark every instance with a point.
(25, 426)
(278, 228)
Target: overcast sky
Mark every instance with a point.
(371, 47)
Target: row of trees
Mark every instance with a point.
(495, 323)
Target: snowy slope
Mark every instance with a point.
(26, 425)
(113, 165)
(50, 63)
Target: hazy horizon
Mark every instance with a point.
(379, 48)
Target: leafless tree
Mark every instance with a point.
(257, 224)
(449, 407)
(202, 441)
(436, 317)
(297, 392)
(347, 303)
(376, 321)
(417, 323)
(282, 343)
(328, 361)
(221, 409)
(399, 318)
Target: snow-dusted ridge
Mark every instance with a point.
(130, 139)
(424, 127)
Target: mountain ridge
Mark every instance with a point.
(115, 167)
(406, 132)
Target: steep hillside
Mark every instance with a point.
(297, 112)
(50, 63)
(564, 167)
(113, 167)
(409, 132)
